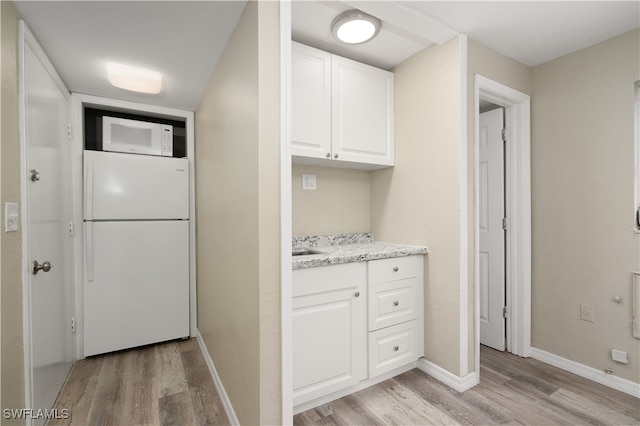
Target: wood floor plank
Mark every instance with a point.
(171, 376)
(141, 391)
(77, 393)
(207, 405)
(106, 407)
(387, 407)
(176, 410)
(123, 388)
(593, 411)
(420, 407)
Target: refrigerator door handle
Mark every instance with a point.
(88, 247)
(88, 191)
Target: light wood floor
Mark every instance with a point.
(164, 384)
(169, 384)
(512, 390)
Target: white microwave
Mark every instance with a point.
(136, 137)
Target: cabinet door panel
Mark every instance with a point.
(329, 342)
(311, 102)
(362, 112)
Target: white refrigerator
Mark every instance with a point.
(136, 250)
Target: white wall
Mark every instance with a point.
(418, 201)
(11, 251)
(584, 247)
(341, 204)
(238, 216)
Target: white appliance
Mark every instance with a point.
(136, 230)
(136, 137)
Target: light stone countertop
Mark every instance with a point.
(346, 252)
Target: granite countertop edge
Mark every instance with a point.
(338, 254)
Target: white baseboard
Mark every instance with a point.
(614, 382)
(460, 384)
(226, 402)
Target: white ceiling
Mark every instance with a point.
(184, 40)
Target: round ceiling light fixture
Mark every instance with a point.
(355, 27)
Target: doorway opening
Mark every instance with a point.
(516, 219)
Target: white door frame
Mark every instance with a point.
(518, 212)
(286, 286)
(27, 39)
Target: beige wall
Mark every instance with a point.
(238, 216)
(584, 249)
(10, 245)
(341, 203)
(417, 201)
(491, 64)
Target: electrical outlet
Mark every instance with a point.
(586, 312)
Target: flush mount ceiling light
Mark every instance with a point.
(355, 27)
(134, 79)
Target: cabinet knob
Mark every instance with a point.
(396, 348)
(328, 155)
(357, 294)
(395, 269)
(396, 303)
(335, 155)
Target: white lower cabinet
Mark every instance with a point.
(329, 329)
(353, 322)
(395, 313)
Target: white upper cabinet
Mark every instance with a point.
(342, 111)
(311, 99)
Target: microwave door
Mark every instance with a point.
(136, 137)
(132, 139)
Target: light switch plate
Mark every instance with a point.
(308, 182)
(11, 217)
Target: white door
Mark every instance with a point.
(492, 238)
(48, 211)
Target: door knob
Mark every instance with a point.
(45, 267)
(34, 175)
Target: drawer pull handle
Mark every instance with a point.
(357, 294)
(396, 303)
(395, 269)
(396, 348)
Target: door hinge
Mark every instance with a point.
(505, 223)
(69, 132)
(505, 134)
(71, 229)
(73, 324)
(505, 312)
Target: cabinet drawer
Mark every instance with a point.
(392, 347)
(397, 268)
(393, 302)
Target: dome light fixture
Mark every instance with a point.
(134, 79)
(355, 27)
